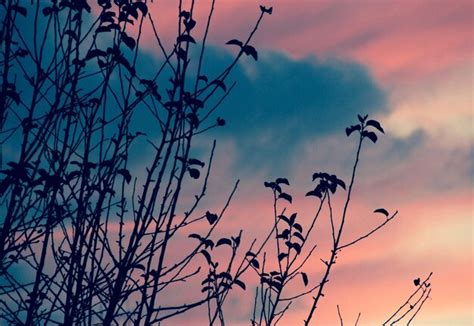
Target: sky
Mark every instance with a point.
(406, 63)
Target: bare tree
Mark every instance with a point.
(88, 234)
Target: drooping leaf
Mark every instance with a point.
(195, 236)
(211, 218)
(284, 218)
(282, 256)
(220, 84)
(203, 78)
(142, 7)
(126, 174)
(193, 161)
(220, 122)
(250, 50)
(381, 211)
(314, 193)
(298, 227)
(194, 173)
(255, 263)
(189, 24)
(417, 281)
(371, 135)
(224, 241)
(207, 256)
(351, 129)
(129, 41)
(298, 234)
(282, 181)
(139, 266)
(240, 283)
(206, 289)
(250, 254)
(305, 278)
(185, 38)
(19, 9)
(235, 42)
(285, 196)
(376, 125)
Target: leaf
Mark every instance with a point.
(371, 135)
(314, 193)
(240, 283)
(235, 42)
(220, 122)
(194, 173)
(185, 14)
(282, 181)
(297, 247)
(417, 281)
(292, 218)
(211, 218)
(250, 50)
(207, 256)
(206, 289)
(220, 84)
(189, 24)
(341, 183)
(381, 211)
(142, 7)
(282, 256)
(305, 278)
(298, 227)
(193, 161)
(266, 10)
(224, 241)
(126, 175)
(361, 119)
(185, 38)
(139, 266)
(225, 275)
(284, 218)
(250, 254)
(351, 129)
(255, 263)
(376, 125)
(195, 236)
(285, 196)
(19, 9)
(203, 78)
(129, 41)
(298, 234)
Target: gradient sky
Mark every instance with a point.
(407, 63)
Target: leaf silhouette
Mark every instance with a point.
(417, 281)
(195, 236)
(282, 181)
(381, 211)
(185, 38)
(235, 42)
(362, 118)
(142, 7)
(211, 218)
(371, 135)
(129, 41)
(305, 278)
(250, 50)
(19, 9)
(224, 241)
(220, 122)
(282, 256)
(351, 129)
(255, 263)
(193, 161)
(376, 125)
(285, 196)
(126, 174)
(207, 256)
(194, 173)
(266, 10)
(220, 84)
(240, 283)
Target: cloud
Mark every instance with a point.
(279, 102)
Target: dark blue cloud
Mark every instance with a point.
(278, 102)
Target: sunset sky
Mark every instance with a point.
(406, 63)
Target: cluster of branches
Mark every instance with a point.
(85, 236)
(275, 294)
